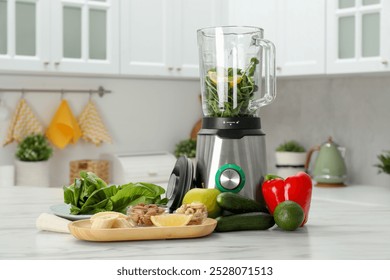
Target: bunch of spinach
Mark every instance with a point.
(89, 194)
(245, 92)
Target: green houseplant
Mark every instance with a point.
(384, 163)
(186, 148)
(32, 164)
(34, 148)
(291, 146)
(290, 158)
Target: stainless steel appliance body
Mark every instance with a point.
(231, 157)
(218, 156)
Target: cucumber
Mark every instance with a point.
(246, 221)
(237, 204)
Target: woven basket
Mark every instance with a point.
(100, 167)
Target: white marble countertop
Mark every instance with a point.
(352, 222)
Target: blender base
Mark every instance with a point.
(231, 164)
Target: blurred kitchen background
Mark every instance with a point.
(332, 68)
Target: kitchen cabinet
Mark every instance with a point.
(159, 36)
(300, 37)
(263, 14)
(59, 36)
(297, 28)
(85, 36)
(357, 39)
(24, 40)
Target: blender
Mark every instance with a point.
(237, 75)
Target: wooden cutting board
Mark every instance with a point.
(195, 129)
(197, 126)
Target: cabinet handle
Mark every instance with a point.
(170, 68)
(178, 69)
(385, 62)
(56, 63)
(279, 68)
(46, 63)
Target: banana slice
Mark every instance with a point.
(121, 223)
(102, 214)
(104, 221)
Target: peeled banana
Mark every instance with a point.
(105, 220)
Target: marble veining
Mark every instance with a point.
(348, 223)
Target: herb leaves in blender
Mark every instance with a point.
(243, 81)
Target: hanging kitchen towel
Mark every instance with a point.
(23, 123)
(92, 127)
(63, 128)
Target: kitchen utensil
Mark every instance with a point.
(180, 182)
(329, 167)
(195, 129)
(197, 126)
(237, 74)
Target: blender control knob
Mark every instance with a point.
(230, 178)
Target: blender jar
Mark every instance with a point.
(237, 71)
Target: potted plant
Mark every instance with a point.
(32, 166)
(186, 148)
(384, 165)
(290, 158)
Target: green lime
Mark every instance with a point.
(206, 196)
(289, 215)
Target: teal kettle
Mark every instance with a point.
(329, 166)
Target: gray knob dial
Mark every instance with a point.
(230, 179)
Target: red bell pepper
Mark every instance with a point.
(297, 188)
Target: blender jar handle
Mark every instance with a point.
(269, 73)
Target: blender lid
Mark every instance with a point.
(180, 182)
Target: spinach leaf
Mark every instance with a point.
(132, 194)
(95, 197)
(72, 193)
(98, 206)
(74, 210)
(89, 194)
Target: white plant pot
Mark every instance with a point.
(32, 173)
(290, 158)
(285, 172)
(289, 163)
